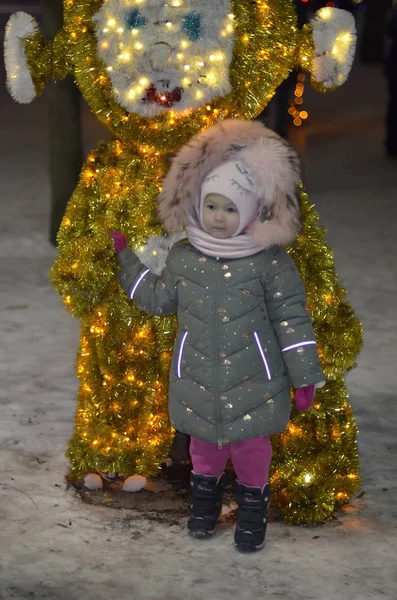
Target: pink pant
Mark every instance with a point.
(250, 458)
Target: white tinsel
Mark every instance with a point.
(159, 52)
(334, 35)
(19, 81)
(154, 253)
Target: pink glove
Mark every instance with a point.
(304, 397)
(119, 241)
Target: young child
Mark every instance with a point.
(245, 335)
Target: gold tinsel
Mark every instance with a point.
(315, 464)
(123, 359)
(122, 422)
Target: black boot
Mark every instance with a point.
(206, 505)
(251, 517)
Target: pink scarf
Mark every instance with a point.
(235, 247)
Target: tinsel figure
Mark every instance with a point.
(155, 74)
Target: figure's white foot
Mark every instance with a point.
(92, 481)
(134, 483)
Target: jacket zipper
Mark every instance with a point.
(216, 356)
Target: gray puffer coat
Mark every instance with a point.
(244, 337)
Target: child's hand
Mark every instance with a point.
(119, 240)
(304, 397)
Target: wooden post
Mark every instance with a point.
(65, 143)
(372, 46)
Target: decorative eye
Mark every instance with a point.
(135, 19)
(191, 24)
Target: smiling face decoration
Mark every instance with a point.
(156, 72)
(174, 56)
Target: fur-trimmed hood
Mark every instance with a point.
(274, 166)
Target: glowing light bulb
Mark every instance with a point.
(212, 57)
(308, 478)
(105, 45)
(184, 44)
(176, 3)
(119, 30)
(325, 13)
(112, 22)
(200, 64)
(168, 24)
(185, 81)
(179, 56)
(199, 94)
(138, 46)
(186, 67)
(144, 81)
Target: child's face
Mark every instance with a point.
(220, 216)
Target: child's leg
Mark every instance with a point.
(206, 485)
(251, 460)
(207, 458)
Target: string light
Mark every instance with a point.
(295, 109)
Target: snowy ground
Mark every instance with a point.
(55, 547)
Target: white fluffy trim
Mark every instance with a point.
(154, 253)
(134, 483)
(334, 35)
(19, 81)
(92, 481)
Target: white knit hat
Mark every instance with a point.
(232, 179)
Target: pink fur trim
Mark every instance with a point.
(273, 163)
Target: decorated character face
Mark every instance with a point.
(156, 72)
(166, 55)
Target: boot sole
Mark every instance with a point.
(201, 534)
(246, 548)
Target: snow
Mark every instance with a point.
(53, 546)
